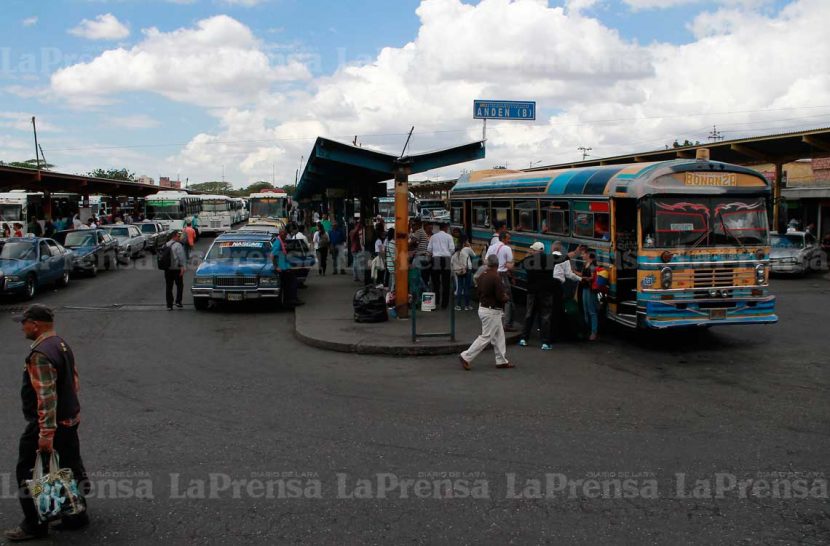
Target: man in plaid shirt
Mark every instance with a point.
(52, 410)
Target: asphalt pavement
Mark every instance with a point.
(220, 426)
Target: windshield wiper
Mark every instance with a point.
(700, 239)
(730, 234)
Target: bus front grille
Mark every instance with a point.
(706, 278)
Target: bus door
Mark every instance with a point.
(625, 257)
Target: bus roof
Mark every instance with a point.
(630, 180)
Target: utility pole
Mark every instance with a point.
(37, 153)
(584, 151)
(715, 135)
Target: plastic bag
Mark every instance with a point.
(55, 494)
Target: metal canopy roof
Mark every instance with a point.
(335, 165)
(16, 178)
(782, 148)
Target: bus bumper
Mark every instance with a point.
(662, 314)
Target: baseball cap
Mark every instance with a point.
(36, 312)
(537, 246)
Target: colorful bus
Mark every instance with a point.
(173, 208)
(268, 208)
(217, 215)
(685, 242)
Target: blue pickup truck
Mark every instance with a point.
(237, 267)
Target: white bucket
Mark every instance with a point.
(428, 301)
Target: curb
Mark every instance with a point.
(391, 350)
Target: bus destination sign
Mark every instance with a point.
(729, 180)
(504, 109)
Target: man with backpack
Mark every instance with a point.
(172, 261)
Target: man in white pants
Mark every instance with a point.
(492, 297)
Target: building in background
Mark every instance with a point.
(165, 182)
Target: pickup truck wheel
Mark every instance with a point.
(201, 304)
(31, 286)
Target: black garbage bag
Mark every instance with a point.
(370, 304)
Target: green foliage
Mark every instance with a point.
(30, 164)
(113, 174)
(219, 188)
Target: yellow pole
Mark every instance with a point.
(402, 240)
(776, 195)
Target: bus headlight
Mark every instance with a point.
(665, 278)
(760, 274)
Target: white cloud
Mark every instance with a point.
(655, 4)
(137, 121)
(593, 87)
(217, 64)
(244, 3)
(21, 121)
(29, 21)
(103, 27)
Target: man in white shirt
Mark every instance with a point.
(504, 253)
(441, 247)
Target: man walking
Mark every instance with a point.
(189, 241)
(337, 238)
(288, 280)
(173, 260)
(504, 253)
(491, 297)
(441, 246)
(52, 410)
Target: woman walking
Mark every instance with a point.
(321, 244)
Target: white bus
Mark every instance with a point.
(241, 207)
(20, 206)
(217, 214)
(173, 208)
(386, 208)
(269, 207)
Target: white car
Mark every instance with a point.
(794, 252)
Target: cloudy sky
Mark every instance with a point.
(198, 88)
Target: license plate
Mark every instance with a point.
(234, 297)
(717, 314)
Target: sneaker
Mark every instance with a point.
(458, 308)
(592, 337)
(546, 347)
(522, 343)
(169, 308)
(180, 306)
(468, 308)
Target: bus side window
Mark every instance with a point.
(481, 217)
(502, 212)
(555, 218)
(601, 229)
(526, 215)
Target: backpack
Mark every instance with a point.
(324, 239)
(165, 257)
(599, 280)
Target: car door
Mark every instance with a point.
(47, 270)
(61, 264)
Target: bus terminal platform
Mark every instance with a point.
(326, 321)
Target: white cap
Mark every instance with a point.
(537, 246)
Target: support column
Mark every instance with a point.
(776, 196)
(402, 171)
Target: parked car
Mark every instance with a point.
(237, 267)
(155, 233)
(94, 249)
(130, 240)
(27, 264)
(795, 252)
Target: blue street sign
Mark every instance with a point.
(504, 109)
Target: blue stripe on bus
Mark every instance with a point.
(557, 187)
(500, 184)
(597, 183)
(577, 183)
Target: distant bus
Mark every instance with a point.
(217, 215)
(386, 208)
(239, 209)
(173, 208)
(21, 206)
(268, 207)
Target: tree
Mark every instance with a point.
(258, 187)
(31, 164)
(686, 143)
(289, 189)
(113, 174)
(219, 188)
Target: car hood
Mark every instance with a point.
(213, 268)
(81, 251)
(12, 267)
(777, 253)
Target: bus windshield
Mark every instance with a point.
(216, 205)
(268, 207)
(11, 213)
(165, 210)
(386, 209)
(705, 221)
